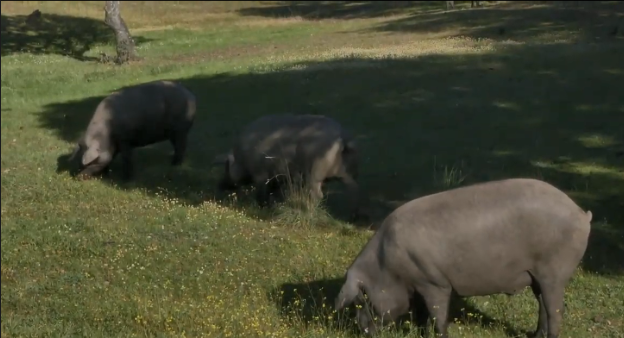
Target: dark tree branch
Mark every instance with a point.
(126, 50)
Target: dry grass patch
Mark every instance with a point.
(147, 16)
(355, 57)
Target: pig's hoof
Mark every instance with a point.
(536, 334)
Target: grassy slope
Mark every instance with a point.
(438, 100)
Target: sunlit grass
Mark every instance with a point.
(160, 256)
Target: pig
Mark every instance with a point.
(490, 238)
(315, 148)
(133, 117)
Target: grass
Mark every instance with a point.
(299, 208)
(437, 99)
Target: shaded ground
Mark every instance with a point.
(521, 20)
(498, 20)
(427, 124)
(55, 34)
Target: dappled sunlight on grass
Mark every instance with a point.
(597, 141)
(435, 101)
(582, 168)
(506, 105)
(519, 20)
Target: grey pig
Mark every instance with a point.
(489, 238)
(134, 117)
(313, 146)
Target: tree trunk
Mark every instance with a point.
(125, 44)
(450, 5)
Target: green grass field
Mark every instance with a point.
(437, 99)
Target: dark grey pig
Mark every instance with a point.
(315, 147)
(134, 117)
(490, 238)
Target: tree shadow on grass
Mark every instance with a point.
(313, 303)
(521, 20)
(316, 10)
(55, 34)
(423, 125)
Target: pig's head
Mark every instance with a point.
(88, 154)
(377, 303)
(233, 175)
(78, 149)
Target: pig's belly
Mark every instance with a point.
(492, 283)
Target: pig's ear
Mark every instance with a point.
(349, 292)
(90, 155)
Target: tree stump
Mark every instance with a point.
(126, 49)
(34, 17)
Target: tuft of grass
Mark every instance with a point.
(299, 208)
(166, 256)
(449, 178)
